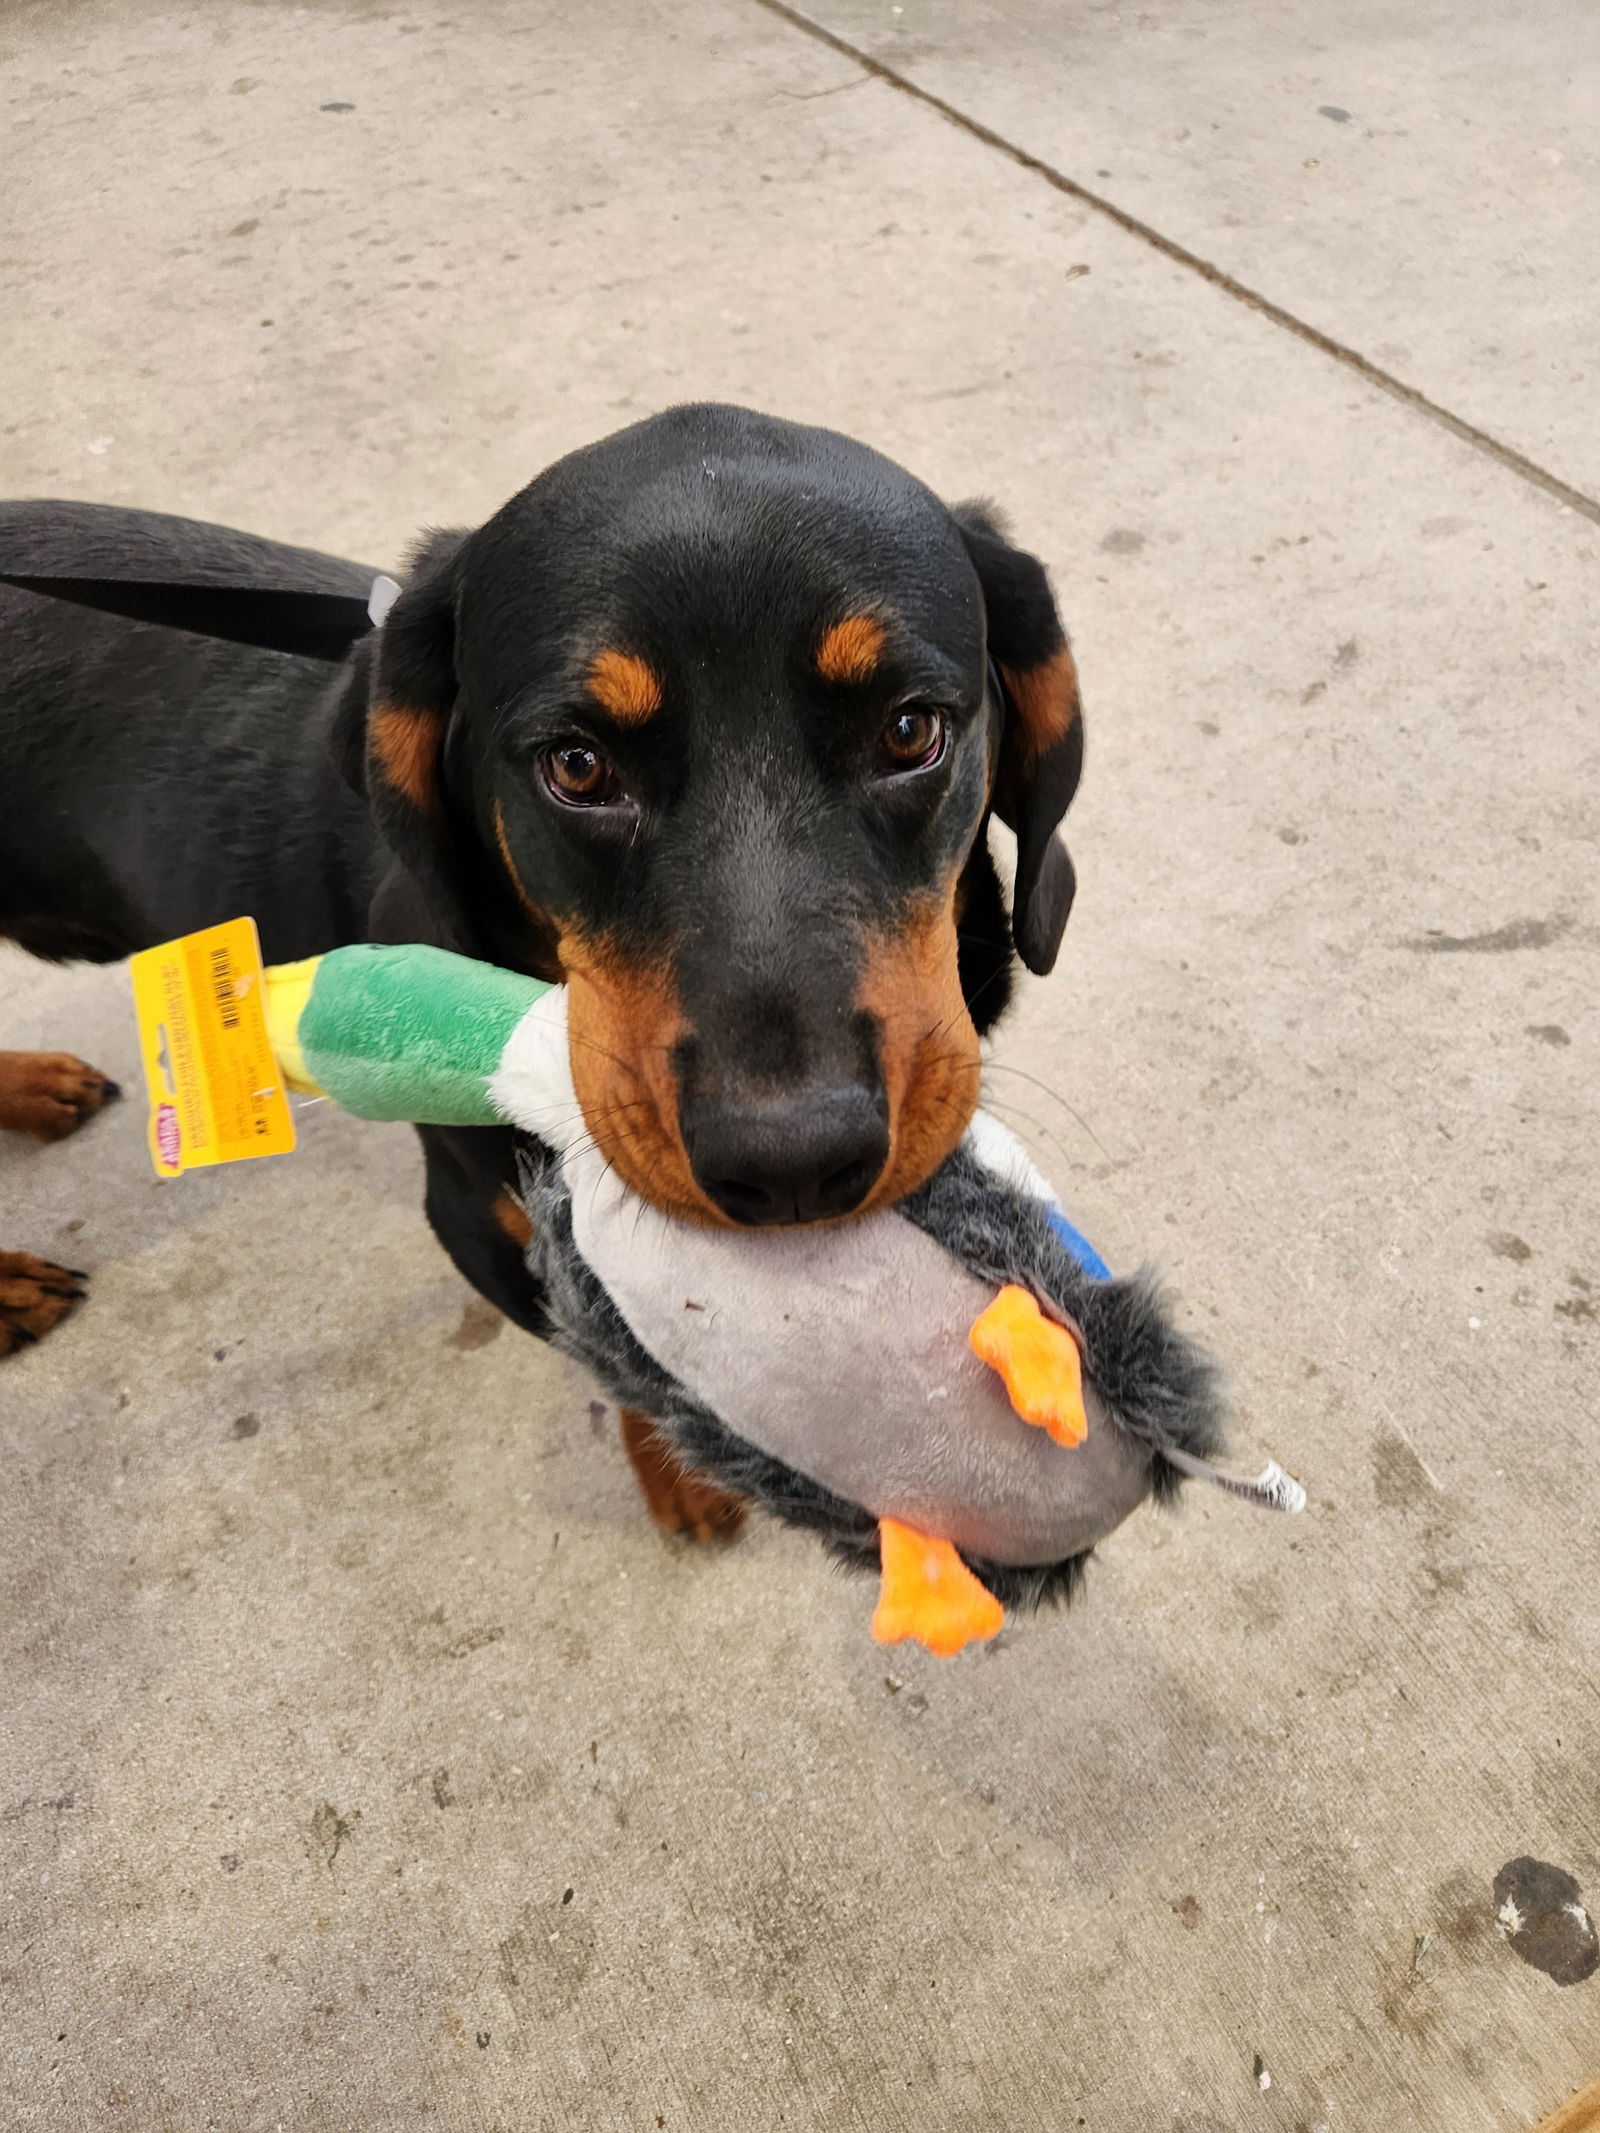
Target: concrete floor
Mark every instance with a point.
(367, 1761)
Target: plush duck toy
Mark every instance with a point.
(956, 1390)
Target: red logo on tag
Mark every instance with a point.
(169, 1137)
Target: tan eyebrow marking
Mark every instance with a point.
(850, 649)
(625, 685)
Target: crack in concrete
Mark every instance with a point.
(1492, 447)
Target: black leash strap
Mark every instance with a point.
(275, 618)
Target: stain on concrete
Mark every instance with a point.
(1408, 1998)
(544, 1962)
(473, 1640)
(1577, 1308)
(1547, 1033)
(1516, 934)
(1444, 1575)
(516, 1785)
(1463, 1919)
(1186, 1909)
(573, 1646)
(1260, 1601)
(1505, 1245)
(790, 1917)
(1325, 1881)
(1399, 1479)
(1540, 1910)
(1235, 1080)
(245, 1426)
(330, 1832)
(1122, 540)
(480, 1324)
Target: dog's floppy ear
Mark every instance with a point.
(1041, 750)
(392, 731)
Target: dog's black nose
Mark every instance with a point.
(792, 1160)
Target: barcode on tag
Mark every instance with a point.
(216, 1095)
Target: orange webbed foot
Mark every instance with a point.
(930, 1595)
(1037, 1359)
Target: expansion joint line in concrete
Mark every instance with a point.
(1514, 461)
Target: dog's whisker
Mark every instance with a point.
(999, 1066)
(592, 1044)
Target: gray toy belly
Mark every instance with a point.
(843, 1352)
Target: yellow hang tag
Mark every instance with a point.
(216, 1093)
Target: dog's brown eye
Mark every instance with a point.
(913, 739)
(579, 775)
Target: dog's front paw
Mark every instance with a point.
(50, 1094)
(34, 1296)
(679, 1500)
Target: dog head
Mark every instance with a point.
(707, 723)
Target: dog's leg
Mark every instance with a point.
(482, 1226)
(49, 1094)
(475, 1216)
(478, 1221)
(34, 1296)
(678, 1499)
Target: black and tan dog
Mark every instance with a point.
(708, 723)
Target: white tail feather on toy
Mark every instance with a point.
(1272, 1488)
(999, 1150)
(532, 1085)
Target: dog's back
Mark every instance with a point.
(153, 781)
